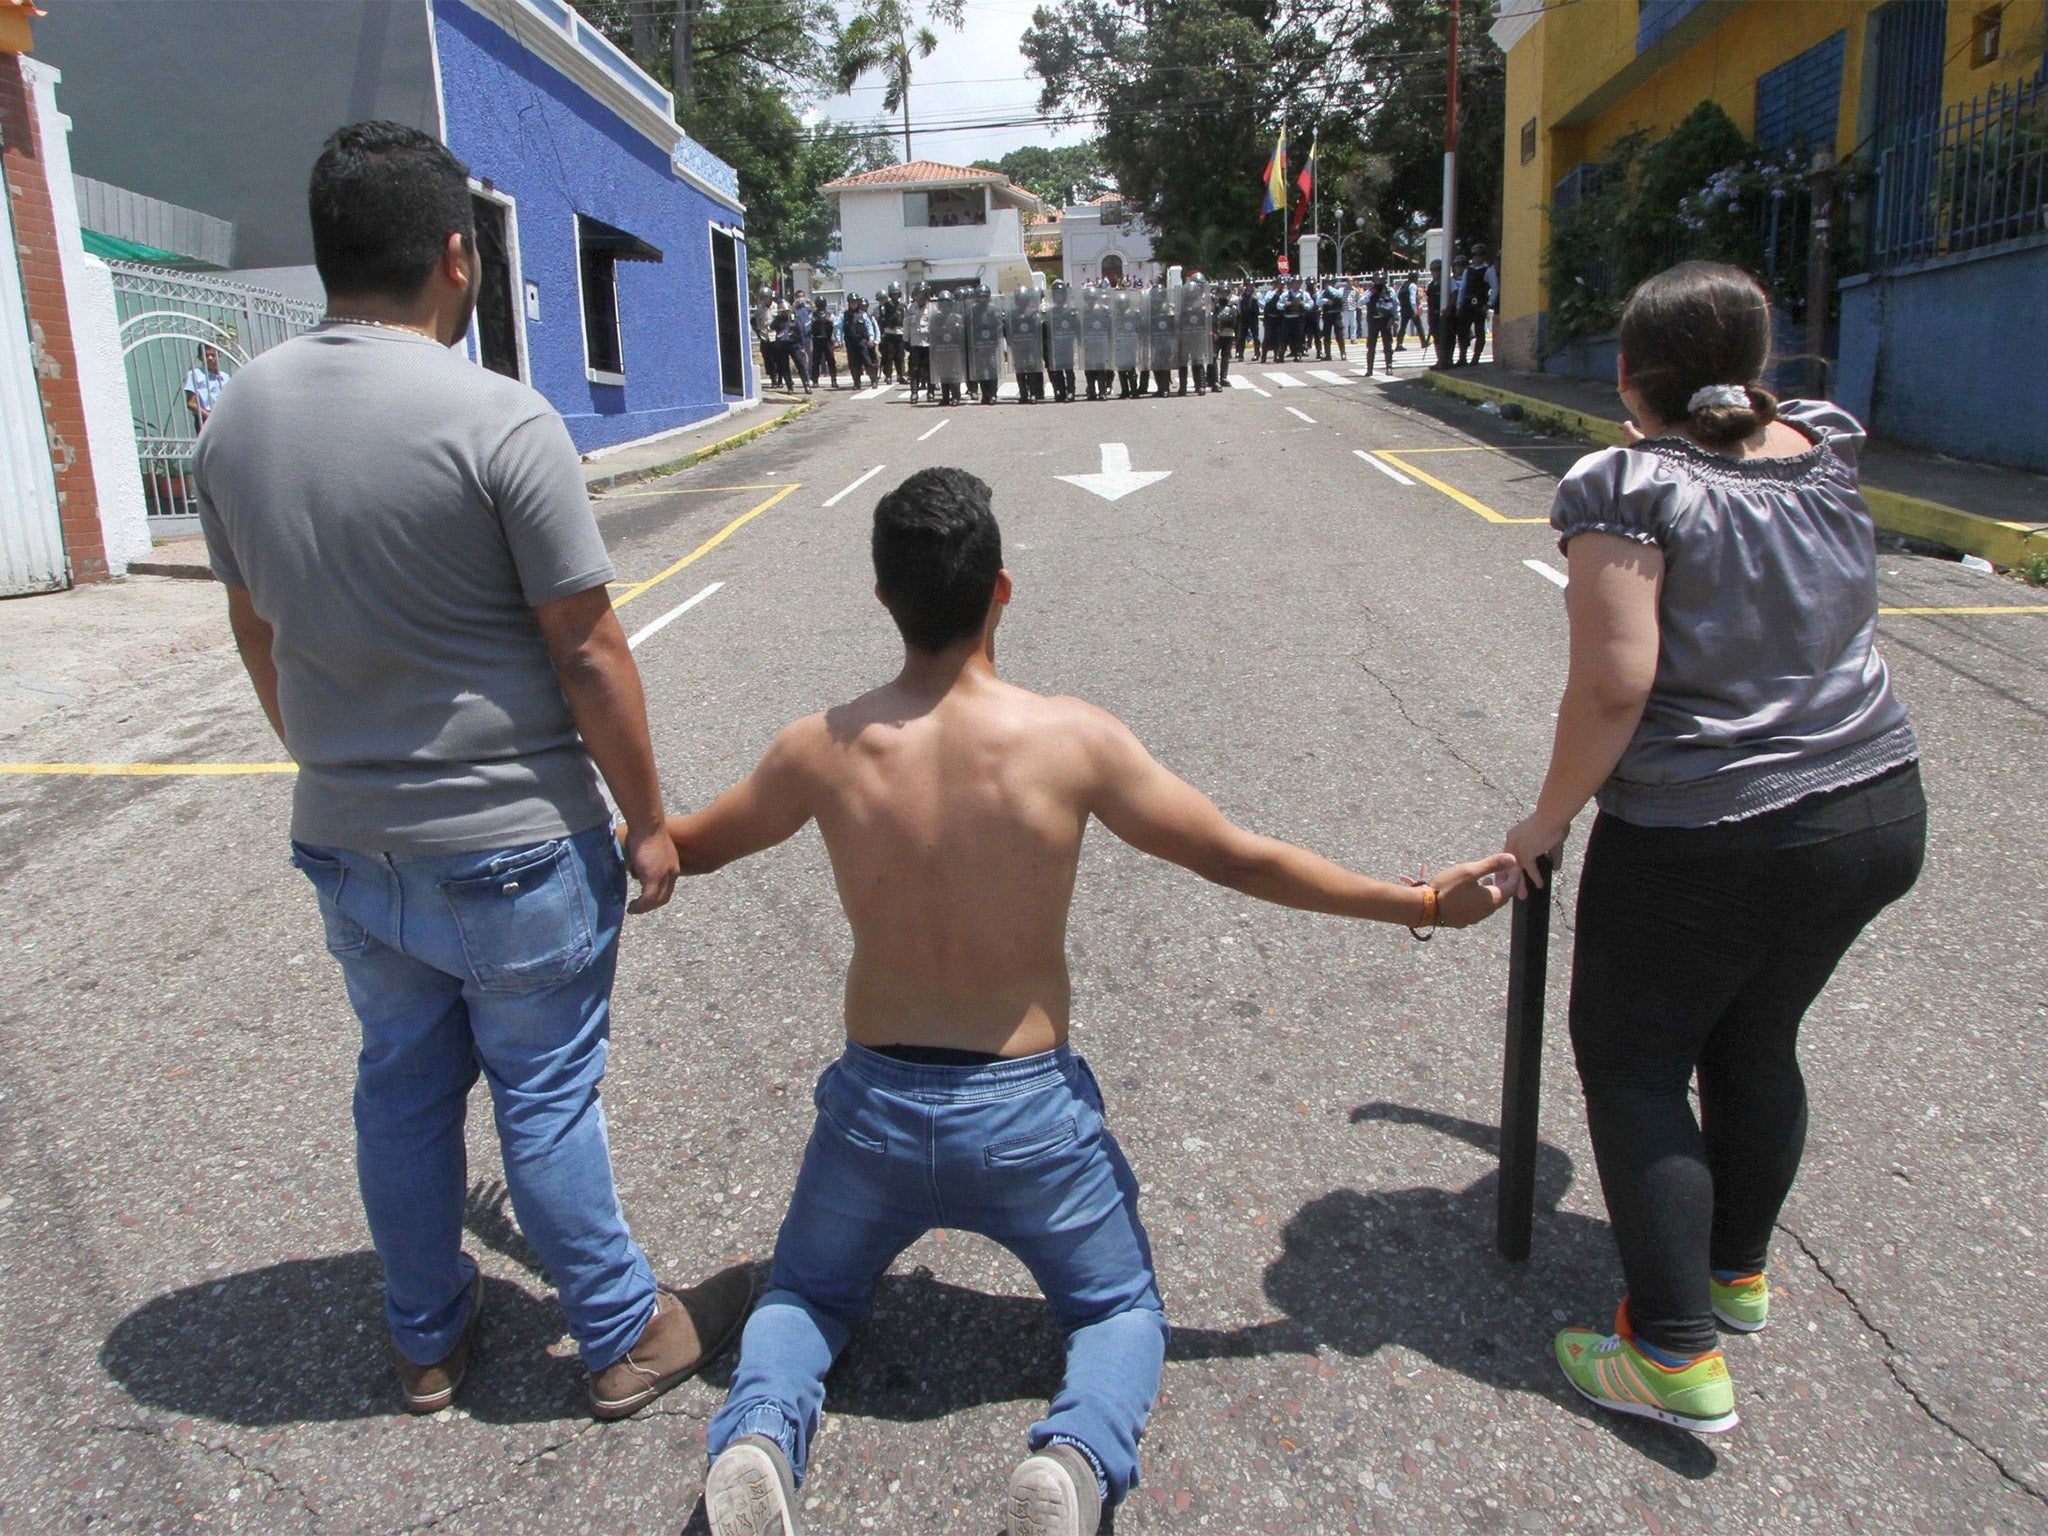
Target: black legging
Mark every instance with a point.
(1700, 950)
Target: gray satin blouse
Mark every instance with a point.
(1769, 687)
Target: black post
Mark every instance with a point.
(1522, 1073)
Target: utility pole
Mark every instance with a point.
(1820, 277)
(1451, 158)
(682, 70)
(1340, 239)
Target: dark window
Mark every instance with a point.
(725, 281)
(1582, 180)
(600, 247)
(945, 208)
(1912, 45)
(1800, 102)
(1529, 141)
(497, 334)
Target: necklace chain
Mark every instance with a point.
(382, 325)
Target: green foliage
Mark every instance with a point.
(885, 36)
(1055, 176)
(1192, 93)
(2033, 570)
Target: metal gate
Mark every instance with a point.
(31, 537)
(167, 320)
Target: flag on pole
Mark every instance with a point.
(1307, 182)
(1276, 179)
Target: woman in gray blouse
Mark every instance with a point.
(1759, 803)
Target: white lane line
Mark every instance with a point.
(1384, 468)
(1548, 572)
(1285, 381)
(1302, 414)
(863, 480)
(1327, 377)
(935, 431)
(1239, 381)
(656, 626)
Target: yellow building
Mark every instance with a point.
(1583, 73)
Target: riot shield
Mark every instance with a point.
(1128, 337)
(1098, 330)
(917, 324)
(1063, 329)
(984, 340)
(1197, 321)
(949, 343)
(1162, 328)
(1021, 326)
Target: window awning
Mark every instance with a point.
(114, 248)
(596, 235)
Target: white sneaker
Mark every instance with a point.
(1054, 1493)
(751, 1490)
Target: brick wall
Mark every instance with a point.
(49, 325)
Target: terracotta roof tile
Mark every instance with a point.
(915, 170)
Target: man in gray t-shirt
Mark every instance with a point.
(418, 589)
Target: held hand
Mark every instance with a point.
(652, 859)
(1531, 840)
(1471, 893)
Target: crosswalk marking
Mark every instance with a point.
(1285, 381)
(1327, 377)
(876, 393)
(1239, 381)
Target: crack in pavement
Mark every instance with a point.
(1437, 736)
(1891, 1358)
(248, 1467)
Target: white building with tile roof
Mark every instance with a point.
(926, 222)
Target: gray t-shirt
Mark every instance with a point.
(1769, 687)
(397, 513)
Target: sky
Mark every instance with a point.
(976, 76)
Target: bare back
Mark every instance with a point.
(954, 827)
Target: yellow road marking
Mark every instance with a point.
(1927, 613)
(688, 490)
(1467, 502)
(149, 770)
(1494, 448)
(703, 549)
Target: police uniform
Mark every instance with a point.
(889, 316)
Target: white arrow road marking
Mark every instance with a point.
(833, 501)
(1285, 381)
(935, 431)
(656, 626)
(1386, 469)
(1117, 479)
(1304, 415)
(1327, 377)
(1239, 381)
(1548, 572)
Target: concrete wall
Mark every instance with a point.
(872, 235)
(1953, 356)
(542, 140)
(96, 340)
(221, 105)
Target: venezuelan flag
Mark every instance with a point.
(1276, 179)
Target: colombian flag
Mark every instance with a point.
(1276, 179)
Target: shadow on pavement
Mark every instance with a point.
(1543, 458)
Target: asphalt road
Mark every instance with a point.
(1370, 667)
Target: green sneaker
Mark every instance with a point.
(1744, 1305)
(1612, 1372)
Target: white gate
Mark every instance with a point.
(31, 538)
(166, 318)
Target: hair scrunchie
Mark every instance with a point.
(1717, 394)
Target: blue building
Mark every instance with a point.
(614, 246)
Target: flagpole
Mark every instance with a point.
(1315, 198)
(1450, 162)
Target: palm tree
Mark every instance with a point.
(885, 35)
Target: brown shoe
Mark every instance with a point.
(688, 1329)
(430, 1388)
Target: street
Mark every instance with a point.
(1333, 604)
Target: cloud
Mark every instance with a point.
(975, 77)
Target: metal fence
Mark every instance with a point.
(1974, 175)
(167, 319)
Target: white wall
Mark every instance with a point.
(96, 339)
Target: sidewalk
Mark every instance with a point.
(1998, 514)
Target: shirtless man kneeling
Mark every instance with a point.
(953, 806)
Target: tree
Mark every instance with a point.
(1054, 176)
(883, 35)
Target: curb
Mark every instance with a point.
(1988, 538)
(600, 483)
(170, 568)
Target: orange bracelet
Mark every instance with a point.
(1429, 910)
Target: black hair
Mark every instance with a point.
(384, 199)
(1693, 325)
(937, 553)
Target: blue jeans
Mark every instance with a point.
(500, 962)
(1016, 1151)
